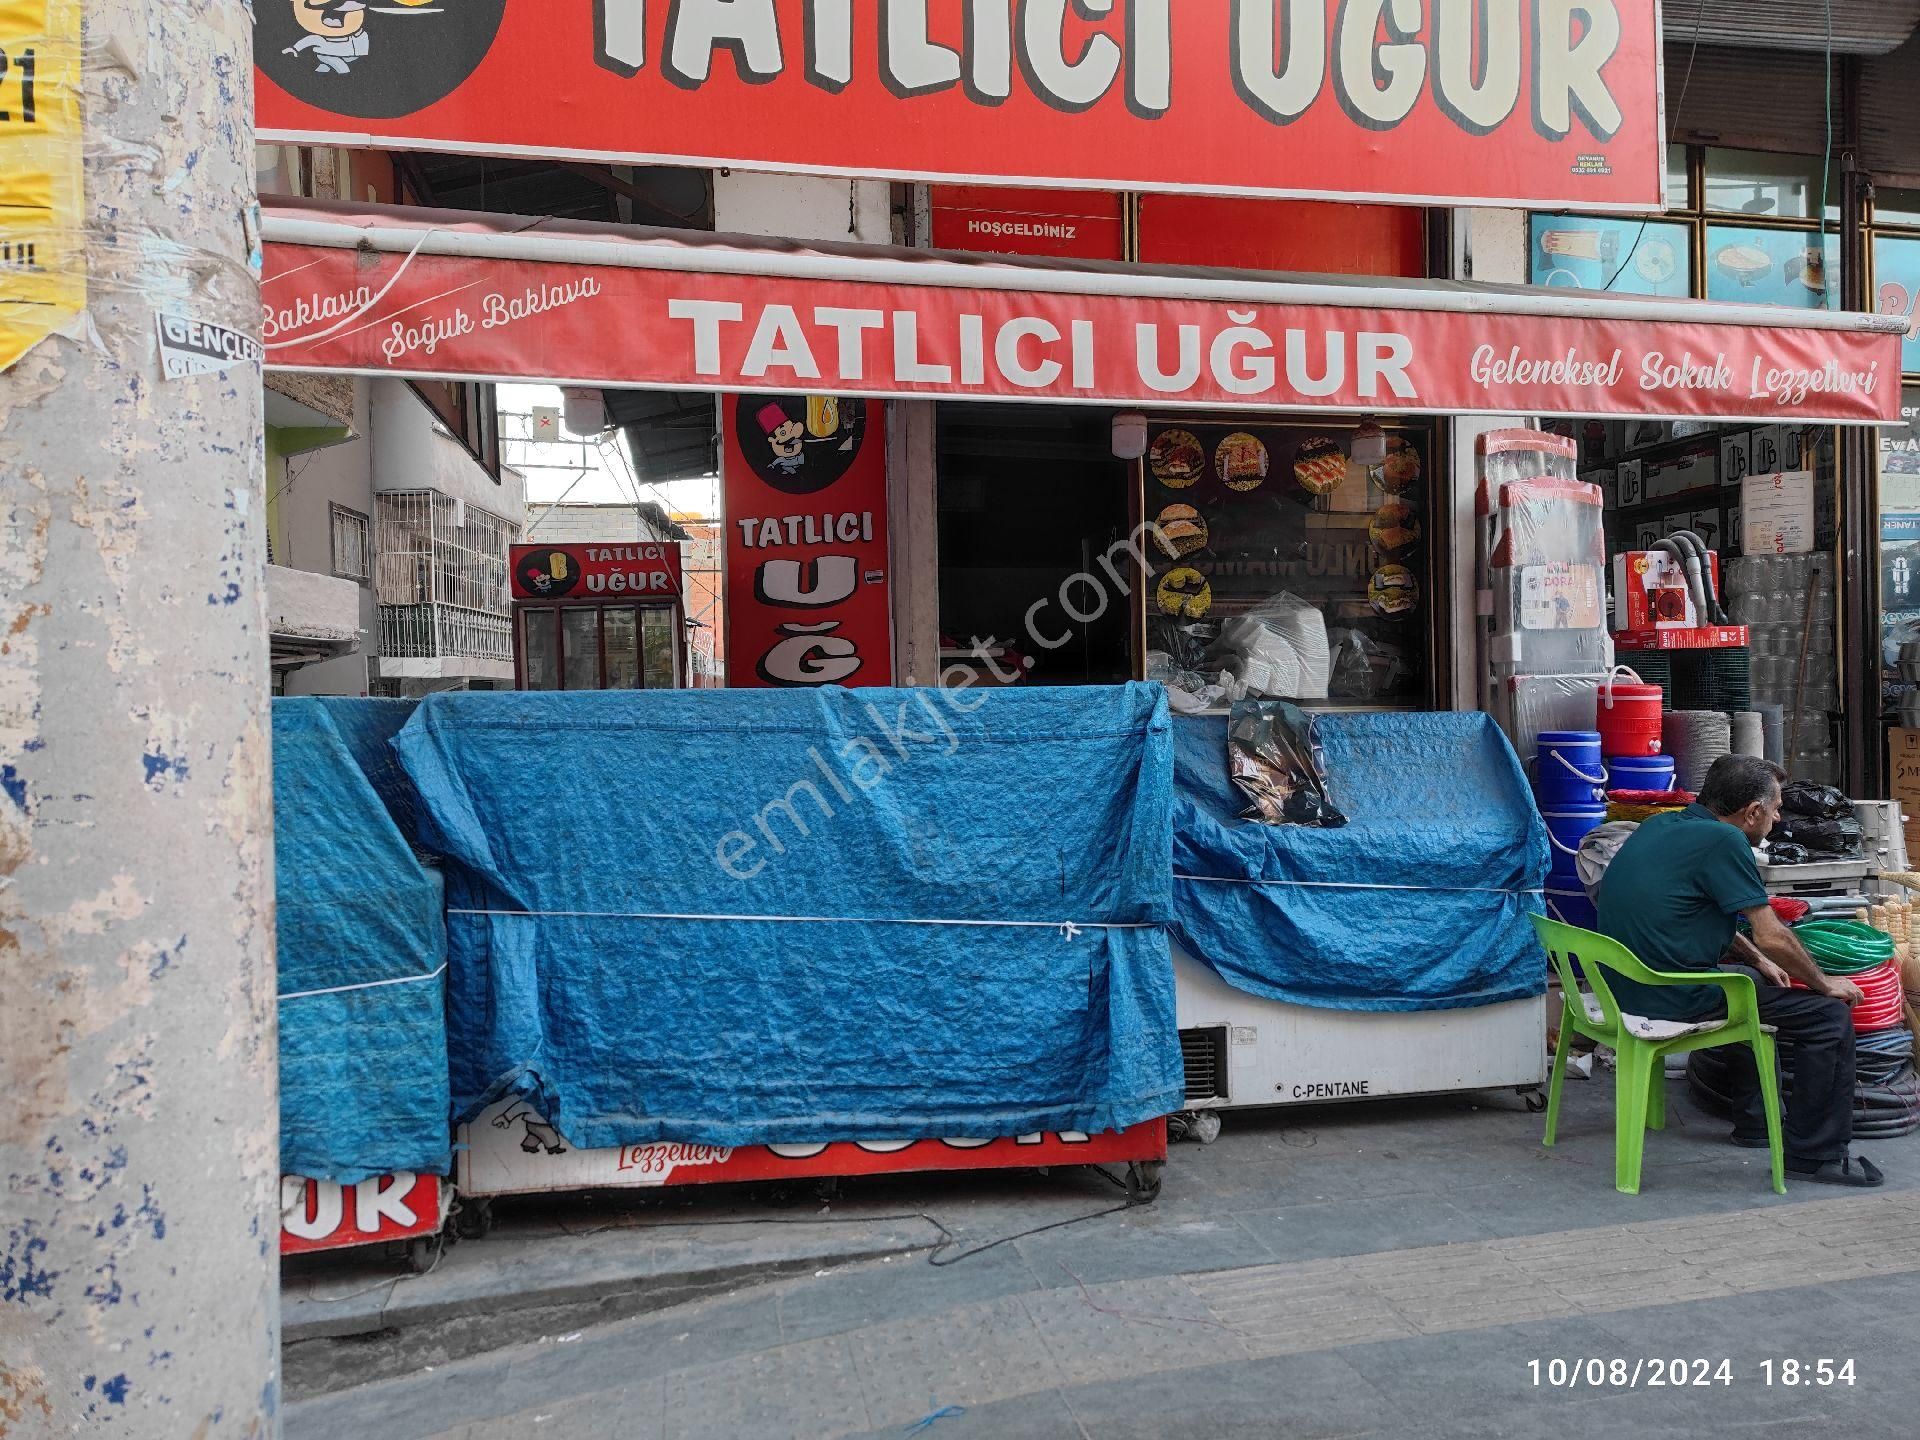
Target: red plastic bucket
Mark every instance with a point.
(1628, 718)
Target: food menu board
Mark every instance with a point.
(1245, 513)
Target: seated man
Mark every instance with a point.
(1671, 896)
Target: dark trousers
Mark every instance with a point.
(1818, 1124)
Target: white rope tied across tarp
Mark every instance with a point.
(368, 985)
(1069, 929)
(1358, 885)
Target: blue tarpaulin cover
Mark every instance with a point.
(1420, 903)
(362, 937)
(750, 917)
(368, 726)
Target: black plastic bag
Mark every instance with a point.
(1781, 852)
(1274, 757)
(1815, 802)
(1827, 839)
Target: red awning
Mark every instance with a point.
(443, 294)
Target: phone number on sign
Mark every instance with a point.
(1655, 1373)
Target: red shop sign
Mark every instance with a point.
(649, 571)
(805, 480)
(1535, 102)
(1261, 346)
(1062, 224)
(321, 1215)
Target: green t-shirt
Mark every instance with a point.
(1671, 896)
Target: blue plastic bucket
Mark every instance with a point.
(1571, 907)
(1566, 828)
(1640, 772)
(1568, 772)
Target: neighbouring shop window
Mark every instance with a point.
(1283, 567)
(1773, 267)
(1625, 256)
(656, 649)
(580, 648)
(622, 632)
(1760, 183)
(351, 550)
(1896, 287)
(541, 648)
(1739, 226)
(1900, 566)
(1679, 178)
(598, 647)
(1894, 206)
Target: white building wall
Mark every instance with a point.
(413, 451)
(803, 207)
(309, 485)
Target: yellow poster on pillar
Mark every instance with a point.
(43, 251)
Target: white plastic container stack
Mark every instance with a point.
(1776, 596)
(1542, 576)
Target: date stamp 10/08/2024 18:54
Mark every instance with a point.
(1656, 1373)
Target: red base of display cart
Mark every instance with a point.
(510, 1150)
(404, 1209)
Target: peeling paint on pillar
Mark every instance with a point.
(138, 1168)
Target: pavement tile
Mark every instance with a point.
(1113, 1332)
(1124, 1249)
(1484, 1368)
(793, 1392)
(1041, 1416)
(610, 1356)
(1294, 1397)
(632, 1413)
(1359, 1227)
(973, 1355)
(840, 1301)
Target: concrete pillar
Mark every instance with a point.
(138, 1164)
(913, 522)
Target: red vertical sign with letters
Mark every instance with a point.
(805, 482)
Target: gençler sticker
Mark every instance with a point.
(199, 347)
(373, 59)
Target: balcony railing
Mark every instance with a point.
(438, 632)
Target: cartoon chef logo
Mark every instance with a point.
(543, 574)
(799, 444)
(373, 59)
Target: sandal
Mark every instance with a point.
(1856, 1172)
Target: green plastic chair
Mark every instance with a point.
(1642, 1045)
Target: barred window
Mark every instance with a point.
(351, 551)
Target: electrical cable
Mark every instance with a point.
(934, 1253)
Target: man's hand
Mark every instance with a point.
(1840, 988)
(1770, 972)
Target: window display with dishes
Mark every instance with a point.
(1291, 560)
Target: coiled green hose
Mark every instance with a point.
(1844, 947)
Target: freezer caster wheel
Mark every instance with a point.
(1143, 1181)
(1536, 1101)
(473, 1219)
(423, 1252)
